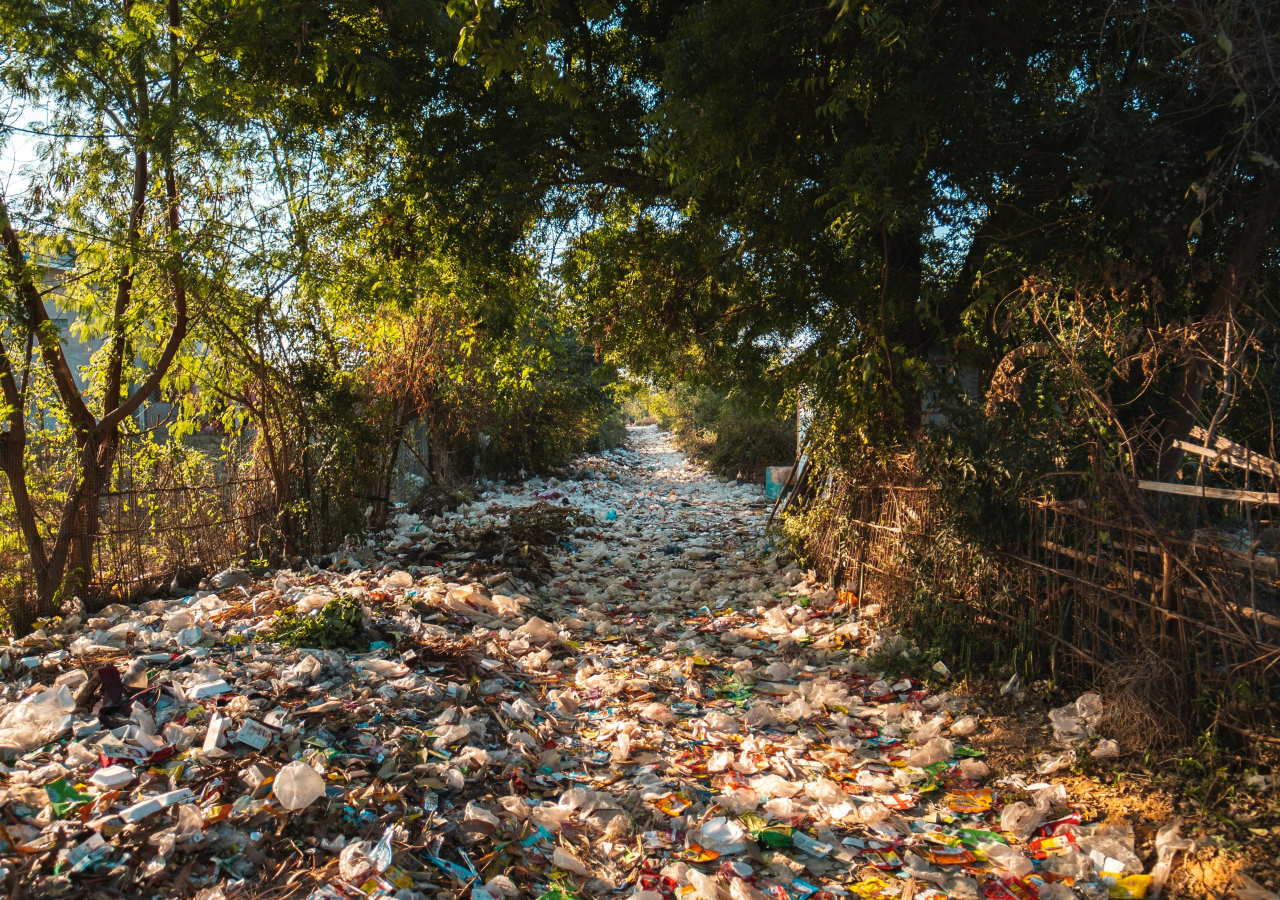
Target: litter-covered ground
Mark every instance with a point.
(606, 684)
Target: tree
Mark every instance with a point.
(121, 80)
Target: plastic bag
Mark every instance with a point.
(973, 769)
(826, 792)
(297, 786)
(718, 721)
(1105, 750)
(1073, 864)
(875, 781)
(706, 885)
(549, 817)
(740, 890)
(190, 825)
(382, 853)
(450, 734)
(1046, 799)
(563, 859)
(536, 631)
(720, 834)
(964, 725)
(1251, 890)
(1110, 855)
(1089, 707)
(778, 671)
(502, 886)
(79, 755)
(739, 801)
(1050, 890)
(775, 786)
(1020, 820)
(930, 730)
(1048, 763)
(873, 813)
(478, 820)
(720, 760)
(1169, 841)
(934, 751)
(37, 719)
(797, 710)
(1007, 861)
(353, 863)
(657, 712)
(398, 579)
(516, 806)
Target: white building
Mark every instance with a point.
(79, 352)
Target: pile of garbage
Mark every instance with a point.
(667, 711)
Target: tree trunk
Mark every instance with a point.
(99, 460)
(21, 615)
(386, 480)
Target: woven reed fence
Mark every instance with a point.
(1094, 585)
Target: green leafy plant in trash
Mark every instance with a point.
(338, 624)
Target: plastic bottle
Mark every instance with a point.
(380, 856)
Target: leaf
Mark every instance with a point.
(1196, 227)
(1238, 100)
(1263, 160)
(1225, 43)
(1210, 154)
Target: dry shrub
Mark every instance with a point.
(1146, 703)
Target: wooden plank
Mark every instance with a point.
(1190, 490)
(1234, 608)
(1241, 460)
(1233, 558)
(1219, 442)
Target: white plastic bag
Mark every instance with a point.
(974, 769)
(1020, 820)
(934, 751)
(720, 834)
(563, 859)
(930, 730)
(657, 712)
(37, 719)
(354, 863)
(1169, 841)
(297, 786)
(1007, 861)
(1048, 763)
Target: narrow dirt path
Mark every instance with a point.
(600, 684)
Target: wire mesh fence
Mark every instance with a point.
(160, 518)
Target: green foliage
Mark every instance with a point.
(731, 436)
(339, 624)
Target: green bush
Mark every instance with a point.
(338, 625)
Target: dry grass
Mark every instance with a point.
(1146, 704)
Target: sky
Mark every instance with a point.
(19, 148)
